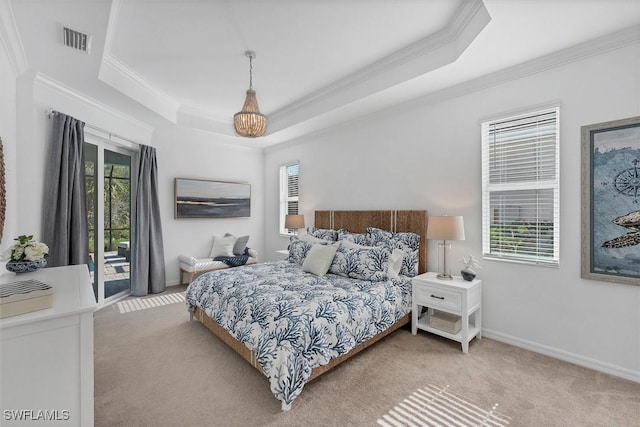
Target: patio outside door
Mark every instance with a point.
(108, 170)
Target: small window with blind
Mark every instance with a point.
(521, 188)
(289, 190)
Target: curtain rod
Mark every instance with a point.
(52, 113)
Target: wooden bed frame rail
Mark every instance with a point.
(250, 356)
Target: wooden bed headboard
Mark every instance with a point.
(396, 221)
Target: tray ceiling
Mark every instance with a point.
(318, 63)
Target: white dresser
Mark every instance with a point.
(46, 356)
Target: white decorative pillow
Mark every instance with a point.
(395, 263)
(319, 259)
(222, 246)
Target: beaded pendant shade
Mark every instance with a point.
(249, 122)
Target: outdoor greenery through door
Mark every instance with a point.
(110, 221)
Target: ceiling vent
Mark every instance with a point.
(77, 40)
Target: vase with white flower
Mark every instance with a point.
(469, 266)
(26, 255)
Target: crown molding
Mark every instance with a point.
(591, 48)
(73, 94)
(427, 54)
(10, 39)
(123, 78)
(585, 50)
(198, 118)
(204, 114)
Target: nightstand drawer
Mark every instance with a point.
(437, 298)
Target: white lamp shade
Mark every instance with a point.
(294, 221)
(445, 228)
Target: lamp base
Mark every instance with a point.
(444, 250)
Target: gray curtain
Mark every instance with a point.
(64, 225)
(147, 254)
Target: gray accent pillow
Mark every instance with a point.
(240, 245)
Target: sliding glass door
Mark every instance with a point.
(109, 172)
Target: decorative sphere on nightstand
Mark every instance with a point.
(469, 263)
(468, 274)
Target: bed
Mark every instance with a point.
(294, 326)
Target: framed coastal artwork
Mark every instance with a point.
(611, 201)
(198, 198)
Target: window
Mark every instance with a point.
(520, 188)
(289, 190)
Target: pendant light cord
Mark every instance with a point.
(250, 72)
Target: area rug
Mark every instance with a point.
(135, 304)
(437, 406)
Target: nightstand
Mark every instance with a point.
(456, 296)
(283, 254)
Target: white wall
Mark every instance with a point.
(426, 154)
(181, 152)
(190, 153)
(8, 135)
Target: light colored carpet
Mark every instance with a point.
(154, 367)
(135, 304)
(434, 405)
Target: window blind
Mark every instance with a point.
(520, 186)
(289, 191)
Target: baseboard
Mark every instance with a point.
(566, 356)
(172, 283)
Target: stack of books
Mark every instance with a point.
(23, 297)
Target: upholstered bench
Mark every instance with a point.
(225, 246)
(191, 266)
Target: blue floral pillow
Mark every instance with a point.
(298, 251)
(360, 239)
(365, 263)
(323, 233)
(408, 242)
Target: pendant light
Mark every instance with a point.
(249, 122)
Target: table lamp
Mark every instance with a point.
(294, 222)
(445, 228)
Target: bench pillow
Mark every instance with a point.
(240, 245)
(222, 246)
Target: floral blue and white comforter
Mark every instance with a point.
(295, 321)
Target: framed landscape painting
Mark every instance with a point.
(611, 201)
(196, 198)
